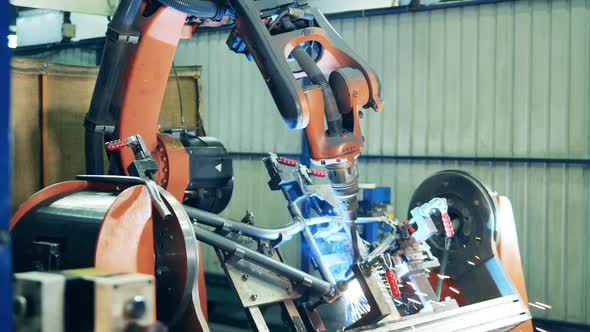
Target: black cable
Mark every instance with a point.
(310, 67)
(179, 95)
(274, 22)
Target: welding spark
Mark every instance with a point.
(415, 308)
(540, 329)
(536, 306)
(442, 276)
(543, 305)
(454, 290)
(356, 302)
(478, 238)
(398, 302)
(411, 284)
(427, 270)
(471, 263)
(477, 257)
(421, 294)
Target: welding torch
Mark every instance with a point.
(344, 180)
(343, 177)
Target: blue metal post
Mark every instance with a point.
(370, 197)
(5, 165)
(305, 158)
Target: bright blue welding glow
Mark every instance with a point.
(331, 238)
(334, 243)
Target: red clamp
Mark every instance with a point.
(294, 163)
(288, 162)
(411, 229)
(392, 281)
(317, 172)
(115, 145)
(446, 219)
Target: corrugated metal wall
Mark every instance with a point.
(504, 80)
(238, 106)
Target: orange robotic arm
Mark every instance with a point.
(278, 35)
(142, 40)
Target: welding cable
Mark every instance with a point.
(198, 8)
(110, 79)
(242, 252)
(443, 266)
(279, 17)
(310, 67)
(449, 232)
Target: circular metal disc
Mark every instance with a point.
(473, 214)
(176, 263)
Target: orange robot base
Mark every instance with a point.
(125, 243)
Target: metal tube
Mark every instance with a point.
(211, 219)
(359, 221)
(230, 247)
(317, 255)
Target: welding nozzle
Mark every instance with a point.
(344, 180)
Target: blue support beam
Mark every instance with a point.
(5, 166)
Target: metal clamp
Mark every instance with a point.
(122, 38)
(235, 256)
(421, 217)
(151, 186)
(98, 128)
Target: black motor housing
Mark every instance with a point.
(211, 171)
